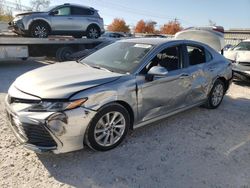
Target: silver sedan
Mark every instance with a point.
(123, 86)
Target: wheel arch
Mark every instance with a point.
(225, 81)
(126, 106)
(95, 25)
(40, 21)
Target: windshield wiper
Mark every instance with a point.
(101, 68)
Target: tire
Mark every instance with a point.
(39, 30)
(64, 54)
(93, 32)
(216, 95)
(98, 134)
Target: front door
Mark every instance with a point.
(62, 21)
(163, 94)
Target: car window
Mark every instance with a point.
(196, 55)
(63, 11)
(81, 11)
(244, 46)
(169, 58)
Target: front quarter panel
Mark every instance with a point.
(121, 90)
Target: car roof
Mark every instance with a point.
(152, 41)
(77, 5)
(247, 40)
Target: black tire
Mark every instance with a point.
(90, 135)
(210, 104)
(64, 53)
(39, 26)
(93, 32)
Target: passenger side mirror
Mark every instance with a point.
(55, 12)
(156, 71)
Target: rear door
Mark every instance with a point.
(82, 18)
(200, 68)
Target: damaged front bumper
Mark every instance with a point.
(56, 132)
(17, 27)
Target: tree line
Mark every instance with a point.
(142, 26)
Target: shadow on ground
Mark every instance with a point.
(10, 70)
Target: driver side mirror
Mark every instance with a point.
(53, 13)
(156, 71)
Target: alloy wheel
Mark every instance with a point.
(109, 129)
(217, 94)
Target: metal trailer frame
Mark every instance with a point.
(59, 47)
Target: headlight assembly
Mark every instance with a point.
(45, 106)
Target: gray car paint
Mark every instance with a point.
(72, 23)
(146, 101)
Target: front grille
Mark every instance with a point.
(245, 63)
(38, 135)
(33, 134)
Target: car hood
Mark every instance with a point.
(28, 13)
(239, 56)
(62, 80)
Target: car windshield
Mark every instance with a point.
(122, 57)
(243, 46)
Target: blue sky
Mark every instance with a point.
(228, 13)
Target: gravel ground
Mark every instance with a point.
(196, 148)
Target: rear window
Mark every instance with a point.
(81, 11)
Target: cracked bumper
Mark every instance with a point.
(56, 132)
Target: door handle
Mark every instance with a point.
(184, 75)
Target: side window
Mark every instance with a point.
(81, 11)
(168, 58)
(63, 11)
(196, 55)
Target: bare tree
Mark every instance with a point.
(37, 5)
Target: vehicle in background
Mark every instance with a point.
(113, 35)
(83, 53)
(66, 19)
(212, 36)
(154, 36)
(240, 57)
(228, 47)
(122, 86)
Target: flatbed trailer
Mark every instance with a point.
(15, 47)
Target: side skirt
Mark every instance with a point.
(166, 115)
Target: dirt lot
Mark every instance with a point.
(197, 148)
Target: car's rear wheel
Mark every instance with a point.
(108, 128)
(216, 95)
(39, 30)
(93, 32)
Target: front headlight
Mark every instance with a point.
(56, 106)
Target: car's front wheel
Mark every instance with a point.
(108, 128)
(216, 95)
(39, 30)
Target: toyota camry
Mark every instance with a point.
(128, 84)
